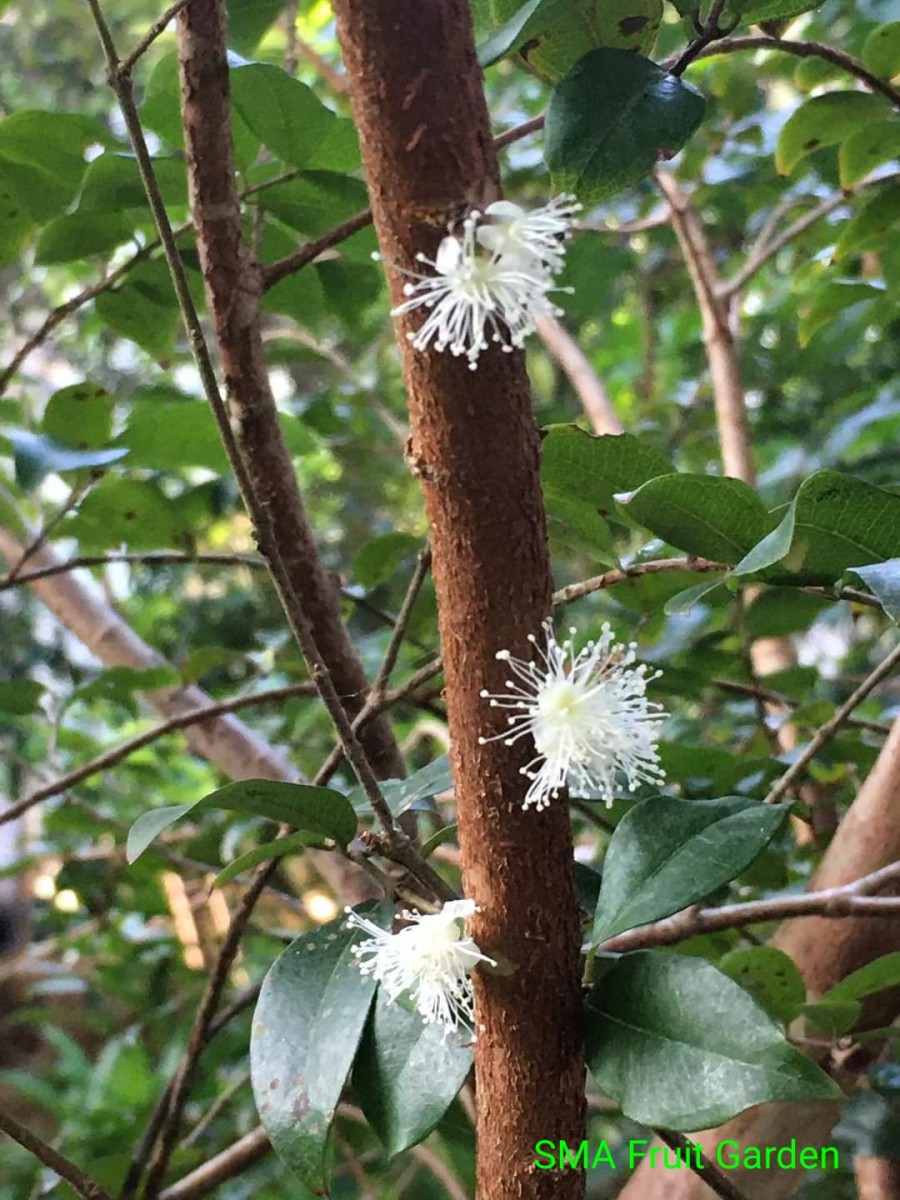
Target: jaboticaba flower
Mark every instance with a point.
(587, 713)
(493, 280)
(430, 959)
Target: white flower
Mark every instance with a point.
(430, 959)
(541, 234)
(492, 282)
(588, 715)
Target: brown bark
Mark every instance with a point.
(877, 1178)
(233, 288)
(417, 95)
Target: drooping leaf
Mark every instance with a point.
(612, 118)
(771, 978)
(679, 1045)
(308, 1022)
(312, 809)
(407, 1073)
(666, 854)
(706, 515)
(277, 848)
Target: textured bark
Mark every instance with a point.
(233, 289)
(225, 741)
(877, 1178)
(417, 95)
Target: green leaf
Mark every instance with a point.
(831, 1018)
(406, 1074)
(876, 976)
(16, 219)
(553, 35)
(770, 977)
(866, 230)
(248, 20)
(313, 809)
(666, 854)
(37, 456)
(143, 309)
(315, 201)
(413, 792)
(80, 416)
(834, 523)
(590, 470)
(868, 148)
(19, 697)
(291, 121)
(824, 121)
(883, 581)
(278, 847)
(81, 235)
(830, 300)
(707, 515)
(684, 601)
(113, 183)
(134, 511)
(49, 149)
(881, 51)
(611, 119)
(377, 560)
(308, 1022)
(781, 611)
(680, 1045)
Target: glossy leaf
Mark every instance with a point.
(666, 854)
(308, 1022)
(679, 1045)
(611, 119)
(407, 1073)
(591, 470)
(313, 809)
(412, 792)
(883, 581)
(707, 515)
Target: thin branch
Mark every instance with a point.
(691, 1155)
(709, 31)
(837, 58)
(40, 538)
(830, 728)
(109, 758)
(781, 700)
(159, 25)
(149, 558)
(847, 900)
(330, 74)
(419, 575)
(575, 591)
(86, 1187)
(231, 1162)
(586, 382)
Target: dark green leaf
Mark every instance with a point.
(113, 182)
(883, 581)
(876, 976)
(37, 456)
(863, 151)
(144, 309)
(780, 611)
(867, 228)
(380, 557)
(290, 844)
(707, 515)
(680, 1045)
(612, 118)
(414, 792)
(81, 235)
(666, 854)
(313, 809)
(577, 466)
(824, 121)
(406, 1073)
(248, 20)
(308, 1022)
(831, 1018)
(770, 977)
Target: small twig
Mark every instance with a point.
(148, 558)
(64, 1168)
(830, 728)
(779, 698)
(419, 575)
(218, 1105)
(691, 1155)
(708, 32)
(40, 538)
(837, 58)
(159, 25)
(231, 1162)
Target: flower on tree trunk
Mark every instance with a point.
(587, 713)
(430, 959)
(492, 281)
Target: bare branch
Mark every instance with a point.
(231, 1162)
(575, 591)
(691, 1155)
(158, 27)
(584, 379)
(86, 1187)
